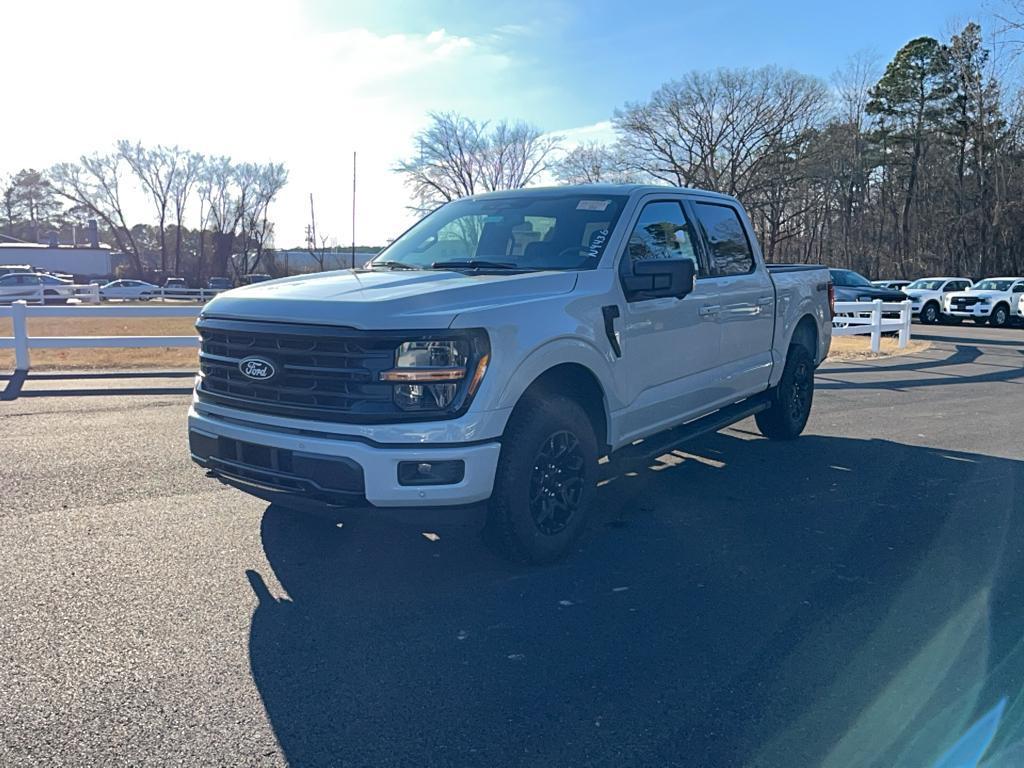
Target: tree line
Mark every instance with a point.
(206, 209)
(915, 168)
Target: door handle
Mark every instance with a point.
(710, 310)
(765, 301)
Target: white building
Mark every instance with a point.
(82, 261)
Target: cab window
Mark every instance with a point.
(661, 232)
(731, 253)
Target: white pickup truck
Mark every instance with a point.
(994, 300)
(501, 346)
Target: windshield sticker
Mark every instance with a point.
(592, 205)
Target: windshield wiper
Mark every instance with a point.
(392, 265)
(472, 264)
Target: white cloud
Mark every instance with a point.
(602, 132)
(254, 80)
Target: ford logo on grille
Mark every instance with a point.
(257, 368)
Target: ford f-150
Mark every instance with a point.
(499, 348)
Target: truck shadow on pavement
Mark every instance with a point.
(829, 601)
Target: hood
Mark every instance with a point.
(384, 299)
(976, 294)
(853, 293)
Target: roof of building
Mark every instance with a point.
(45, 247)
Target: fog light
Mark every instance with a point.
(431, 472)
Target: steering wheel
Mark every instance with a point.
(572, 249)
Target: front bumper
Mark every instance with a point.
(334, 470)
(977, 310)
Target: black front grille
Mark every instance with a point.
(320, 372)
(963, 302)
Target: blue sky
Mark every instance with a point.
(574, 62)
(309, 82)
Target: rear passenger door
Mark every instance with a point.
(745, 298)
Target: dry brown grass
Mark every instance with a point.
(93, 359)
(847, 349)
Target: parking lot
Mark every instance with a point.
(846, 599)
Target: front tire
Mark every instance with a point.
(791, 399)
(930, 313)
(545, 481)
(1000, 316)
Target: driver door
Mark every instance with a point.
(669, 345)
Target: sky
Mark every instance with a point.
(309, 83)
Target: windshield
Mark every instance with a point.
(926, 285)
(993, 285)
(527, 232)
(849, 279)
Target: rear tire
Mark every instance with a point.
(545, 481)
(791, 398)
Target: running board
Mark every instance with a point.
(663, 442)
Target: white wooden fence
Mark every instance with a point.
(860, 317)
(22, 343)
(852, 318)
(90, 294)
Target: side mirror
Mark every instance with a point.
(659, 278)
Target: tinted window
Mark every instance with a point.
(661, 232)
(848, 279)
(730, 250)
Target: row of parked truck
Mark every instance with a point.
(998, 301)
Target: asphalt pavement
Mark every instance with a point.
(853, 598)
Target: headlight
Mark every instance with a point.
(432, 374)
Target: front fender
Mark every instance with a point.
(557, 351)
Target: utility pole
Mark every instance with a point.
(353, 210)
(312, 224)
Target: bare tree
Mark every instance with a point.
(155, 169)
(593, 163)
(8, 204)
(459, 156)
(189, 168)
(721, 130)
(852, 84)
(258, 186)
(94, 183)
(222, 198)
(514, 155)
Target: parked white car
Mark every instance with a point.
(994, 300)
(129, 290)
(30, 286)
(927, 293)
